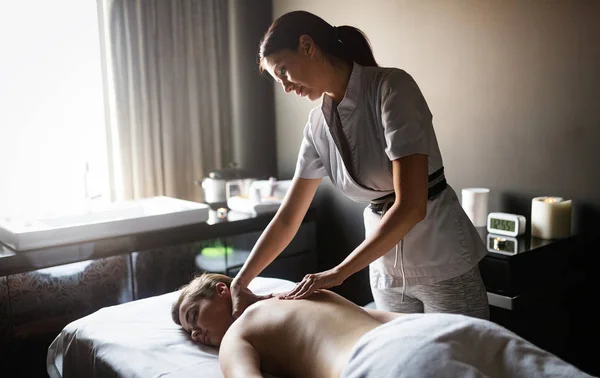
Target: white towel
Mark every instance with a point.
(446, 345)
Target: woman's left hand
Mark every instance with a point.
(313, 282)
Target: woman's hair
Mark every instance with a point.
(345, 43)
(202, 286)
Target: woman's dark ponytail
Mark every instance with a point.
(356, 45)
(345, 43)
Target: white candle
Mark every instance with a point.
(475, 204)
(550, 218)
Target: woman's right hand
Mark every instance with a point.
(242, 297)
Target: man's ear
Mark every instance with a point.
(195, 335)
(221, 289)
(306, 45)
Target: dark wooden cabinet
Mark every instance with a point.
(542, 292)
(298, 259)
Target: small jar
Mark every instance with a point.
(222, 212)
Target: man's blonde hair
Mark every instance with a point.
(202, 286)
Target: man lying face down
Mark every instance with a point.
(290, 338)
(326, 335)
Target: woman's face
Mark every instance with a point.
(298, 71)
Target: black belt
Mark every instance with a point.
(437, 184)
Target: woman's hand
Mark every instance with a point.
(242, 298)
(314, 282)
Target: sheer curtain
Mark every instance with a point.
(166, 71)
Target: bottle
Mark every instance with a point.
(272, 184)
(256, 198)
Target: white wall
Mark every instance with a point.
(51, 106)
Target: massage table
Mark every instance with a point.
(139, 339)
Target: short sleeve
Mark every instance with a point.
(405, 116)
(309, 165)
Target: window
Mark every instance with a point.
(51, 107)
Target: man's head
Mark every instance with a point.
(203, 308)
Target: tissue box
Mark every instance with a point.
(271, 197)
(249, 206)
(280, 188)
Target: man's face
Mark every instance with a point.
(207, 319)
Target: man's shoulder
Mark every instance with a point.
(254, 318)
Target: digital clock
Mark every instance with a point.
(506, 224)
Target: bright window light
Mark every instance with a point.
(51, 107)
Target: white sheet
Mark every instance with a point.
(137, 339)
(444, 345)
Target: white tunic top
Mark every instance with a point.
(384, 117)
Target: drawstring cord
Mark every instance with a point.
(402, 268)
(384, 210)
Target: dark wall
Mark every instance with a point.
(252, 94)
(514, 88)
(340, 229)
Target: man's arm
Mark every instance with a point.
(238, 358)
(382, 316)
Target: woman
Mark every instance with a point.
(373, 136)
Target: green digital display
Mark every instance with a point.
(503, 224)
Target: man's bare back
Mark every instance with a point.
(297, 338)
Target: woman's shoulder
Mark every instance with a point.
(315, 118)
(314, 127)
(386, 80)
(383, 71)
(386, 75)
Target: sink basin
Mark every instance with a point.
(111, 220)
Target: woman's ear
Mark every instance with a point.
(306, 45)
